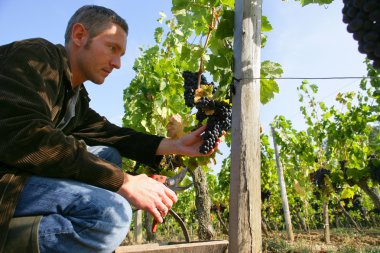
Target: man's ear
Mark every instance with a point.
(79, 34)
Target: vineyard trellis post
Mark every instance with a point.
(245, 186)
(284, 196)
(138, 236)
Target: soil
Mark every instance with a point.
(347, 240)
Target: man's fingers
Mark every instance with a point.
(169, 193)
(199, 130)
(166, 200)
(156, 215)
(167, 204)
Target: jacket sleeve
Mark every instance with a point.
(138, 146)
(30, 79)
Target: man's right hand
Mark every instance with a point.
(147, 194)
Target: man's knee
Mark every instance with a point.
(107, 153)
(116, 219)
(105, 206)
(100, 223)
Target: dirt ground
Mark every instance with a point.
(343, 240)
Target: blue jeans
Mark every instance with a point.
(77, 217)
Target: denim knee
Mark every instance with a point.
(107, 153)
(76, 217)
(95, 228)
(117, 219)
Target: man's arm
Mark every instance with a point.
(148, 194)
(97, 130)
(187, 145)
(32, 91)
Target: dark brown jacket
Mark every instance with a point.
(34, 90)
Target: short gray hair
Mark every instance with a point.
(95, 19)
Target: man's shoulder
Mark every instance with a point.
(37, 48)
(35, 42)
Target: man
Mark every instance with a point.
(62, 197)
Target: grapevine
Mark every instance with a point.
(374, 167)
(318, 177)
(217, 113)
(363, 21)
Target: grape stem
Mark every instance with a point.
(212, 26)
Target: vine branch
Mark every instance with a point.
(212, 26)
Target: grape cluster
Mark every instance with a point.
(363, 21)
(357, 202)
(190, 85)
(374, 167)
(218, 114)
(265, 195)
(318, 177)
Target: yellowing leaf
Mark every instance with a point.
(209, 112)
(175, 127)
(203, 91)
(297, 187)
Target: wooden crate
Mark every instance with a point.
(193, 247)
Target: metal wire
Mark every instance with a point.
(308, 78)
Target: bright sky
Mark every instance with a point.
(307, 41)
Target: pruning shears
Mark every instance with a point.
(173, 184)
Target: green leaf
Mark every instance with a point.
(185, 53)
(267, 90)
(347, 193)
(162, 85)
(271, 69)
(180, 4)
(229, 3)
(158, 34)
(323, 106)
(314, 88)
(265, 24)
(162, 17)
(326, 115)
(320, 2)
(144, 124)
(226, 25)
(269, 87)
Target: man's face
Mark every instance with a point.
(100, 55)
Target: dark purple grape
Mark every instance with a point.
(318, 177)
(363, 21)
(355, 25)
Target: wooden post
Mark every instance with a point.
(284, 196)
(138, 227)
(245, 188)
(326, 221)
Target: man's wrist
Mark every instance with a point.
(168, 146)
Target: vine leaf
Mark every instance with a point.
(175, 127)
(320, 2)
(158, 34)
(269, 86)
(265, 24)
(203, 91)
(226, 25)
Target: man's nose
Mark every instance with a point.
(116, 62)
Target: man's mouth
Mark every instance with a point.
(107, 71)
